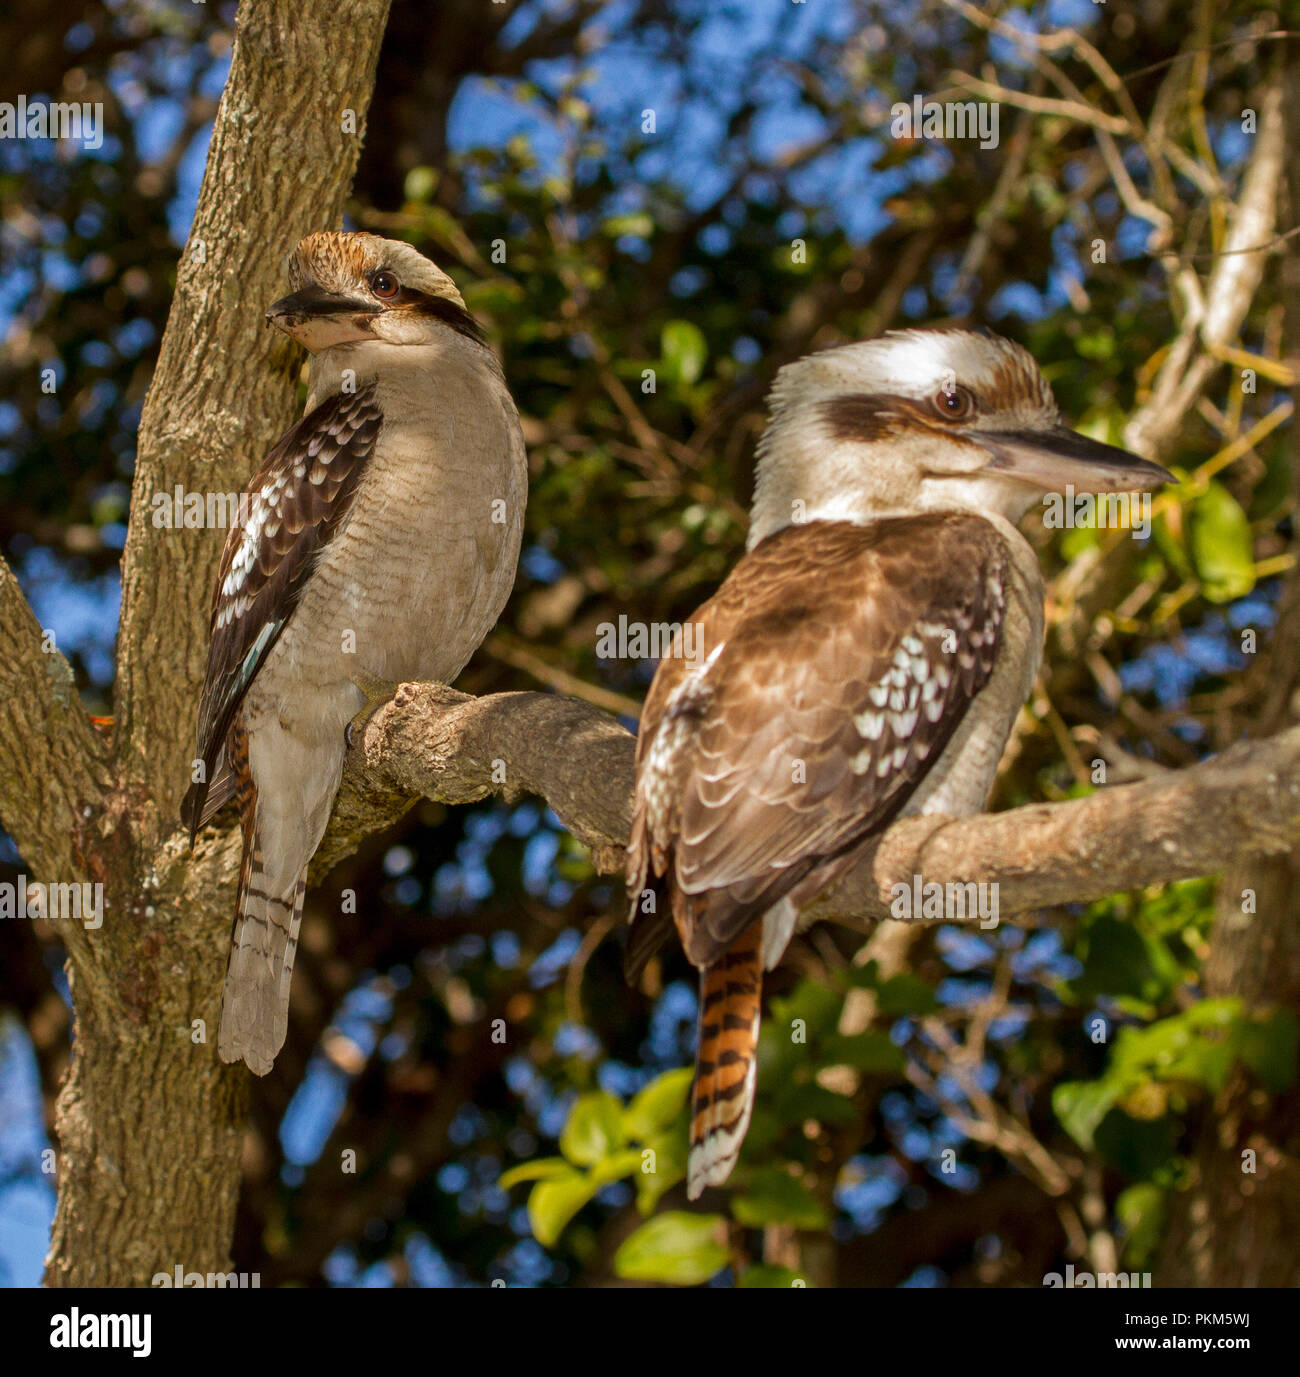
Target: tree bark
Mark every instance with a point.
(431, 741)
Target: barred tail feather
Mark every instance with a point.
(726, 1061)
(263, 944)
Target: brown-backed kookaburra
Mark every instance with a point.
(379, 544)
(865, 660)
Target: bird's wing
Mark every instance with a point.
(296, 502)
(834, 665)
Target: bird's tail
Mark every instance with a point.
(263, 943)
(725, 1062)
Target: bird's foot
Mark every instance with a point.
(377, 692)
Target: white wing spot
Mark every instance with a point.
(870, 725)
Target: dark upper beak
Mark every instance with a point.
(313, 301)
(1060, 458)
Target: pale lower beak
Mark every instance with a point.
(320, 319)
(1061, 458)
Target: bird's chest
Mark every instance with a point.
(961, 779)
(412, 580)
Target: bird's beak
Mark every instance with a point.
(1059, 458)
(319, 319)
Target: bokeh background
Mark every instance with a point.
(706, 190)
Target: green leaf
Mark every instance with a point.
(552, 1203)
(1199, 1046)
(773, 1196)
(676, 1246)
(1222, 549)
(543, 1169)
(1119, 959)
(616, 1165)
(1167, 536)
(871, 1051)
(684, 350)
(906, 994)
(810, 1011)
(421, 183)
(1082, 1105)
(593, 1130)
(658, 1104)
(1268, 1047)
(804, 1100)
(669, 1168)
(1141, 1213)
(863, 977)
(1138, 1147)
(768, 1278)
(1195, 1045)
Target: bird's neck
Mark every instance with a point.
(407, 372)
(801, 480)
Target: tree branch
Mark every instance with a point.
(434, 742)
(56, 766)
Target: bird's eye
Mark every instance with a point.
(954, 403)
(384, 285)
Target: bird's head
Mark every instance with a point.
(919, 421)
(356, 288)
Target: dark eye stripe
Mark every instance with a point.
(438, 308)
(877, 415)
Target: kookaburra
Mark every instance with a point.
(379, 544)
(865, 660)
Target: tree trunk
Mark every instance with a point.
(149, 1121)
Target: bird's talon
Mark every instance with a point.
(377, 692)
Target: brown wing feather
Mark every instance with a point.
(297, 500)
(843, 659)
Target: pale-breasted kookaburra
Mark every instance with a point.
(865, 660)
(379, 544)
